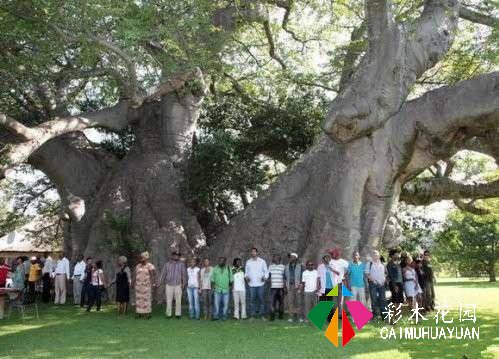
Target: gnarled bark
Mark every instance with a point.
(398, 54)
(341, 194)
(427, 191)
(78, 172)
(121, 206)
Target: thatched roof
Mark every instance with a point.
(19, 241)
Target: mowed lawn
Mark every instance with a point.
(67, 332)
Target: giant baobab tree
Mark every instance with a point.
(146, 69)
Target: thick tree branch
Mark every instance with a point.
(17, 128)
(477, 17)
(486, 142)
(433, 35)
(272, 48)
(379, 19)
(397, 57)
(439, 123)
(174, 83)
(469, 104)
(76, 168)
(424, 191)
(116, 117)
(470, 207)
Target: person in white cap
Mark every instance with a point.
(292, 274)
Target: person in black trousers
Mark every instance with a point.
(277, 287)
(97, 285)
(85, 289)
(47, 269)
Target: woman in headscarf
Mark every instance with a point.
(145, 274)
(123, 281)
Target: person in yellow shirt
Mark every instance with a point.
(35, 273)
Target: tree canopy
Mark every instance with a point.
(275, 76)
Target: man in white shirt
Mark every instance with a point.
(78, 274)
(339, 266)
(48, 268)
(193, 282)
(256, 273)
(376, 275)
(311, 284)
(61, 275)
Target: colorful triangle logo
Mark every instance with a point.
(333, 292)
(345, 292)
(332, 329)
(318, 315)
(359, 313)
(347, 332)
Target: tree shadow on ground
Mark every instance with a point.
(66, 332)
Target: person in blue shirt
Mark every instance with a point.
(356, 279)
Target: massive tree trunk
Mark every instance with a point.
(142, 197)
(336, 195)
(339, 193)
(115, 207)
(78, 173)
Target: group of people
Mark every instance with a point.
(48, 277)
(293, 285)
(33, 275)
(408, 280)
(208, 288)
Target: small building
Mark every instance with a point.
(18, 243)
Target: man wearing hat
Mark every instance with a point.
(174, 276)
(292, 275)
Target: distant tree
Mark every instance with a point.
(9, 220)
(35, 208)
(471, 242)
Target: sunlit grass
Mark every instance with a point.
(67, 332)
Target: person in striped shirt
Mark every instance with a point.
(277, 287)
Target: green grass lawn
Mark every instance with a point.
(67, 332)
